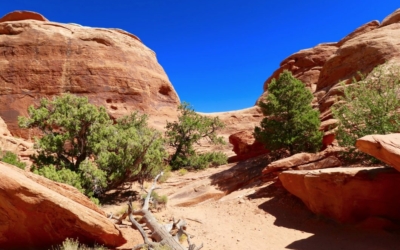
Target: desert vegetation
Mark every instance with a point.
(291, 124)
(190, 129)
(368, 106)
(11, 158)
(83, 147)
(72, 244)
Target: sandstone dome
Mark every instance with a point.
(113, 68)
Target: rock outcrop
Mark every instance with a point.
(349, 195)
(18, 146)
(306, 64)
(243, 120)
(321, 68)
(22, 15)
(112, 67)
(306, 161)
(245, 146)
(392, 18)
(383, 147)
(37, 213)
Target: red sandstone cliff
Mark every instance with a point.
(321, 68)
(112, 67)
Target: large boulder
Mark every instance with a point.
(383, 147)
(245, 146)
(37, 213)
(112, 67)
(348, 195)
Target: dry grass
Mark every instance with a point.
(71, 244)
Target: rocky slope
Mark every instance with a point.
(321, 68)
(112, 67)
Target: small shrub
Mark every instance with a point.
(62, 175)
(71, 244)
(122, 210)
(182, 171)
(11, 158)
(159, 198)
(183, 238)
(95, 200)
(368, 106)
(157, 201)
(67, 176)
(166, 174)
(210, 159)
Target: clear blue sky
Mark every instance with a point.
(218, 53)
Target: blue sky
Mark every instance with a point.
(218, 53)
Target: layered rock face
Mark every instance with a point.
(322, 68)
(111, 67)
(38, 213)
(349, 195)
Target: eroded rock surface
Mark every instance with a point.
(348, 195)
(37, 212)
(18, 146)
(306, 161)
(113, 68)
(22, 15)
(383, 147)
(245, 146)
(235, 121)
(392, 18)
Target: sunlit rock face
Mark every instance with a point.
(383, 147)
(323, 67)
(36, 213)
(368, 196)
(113, 68)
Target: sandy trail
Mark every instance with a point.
(258, 217)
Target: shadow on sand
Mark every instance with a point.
(290, 212)
(244, 174)
(118, 195)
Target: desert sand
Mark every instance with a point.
(261, 215)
